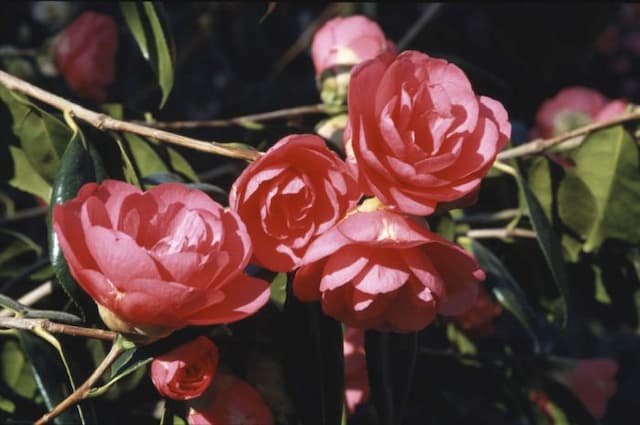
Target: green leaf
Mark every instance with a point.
(577, 206)
(549, 244)
(80, 164)
(50, 375)
(539, 178)
(16, 371)
(131, 173)
(25, 176)
(607, 163)
(147, 23)
(391, 360)
(43, 137)
(312, 345)
(460, 340)
(279, 290)
(153, 158)
(506, 290)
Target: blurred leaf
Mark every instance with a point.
(80, 164)
(607, 163)
(147, 23)
(16, 249)
(279, 290)
(50, 376)
(549, 244)
(506, 290)
(391, 361)
(16, 371)
(312, 345)
(601, 294)
(7, 206)
(460, 340)
(539, 178)
(25, 176)
(43, 137)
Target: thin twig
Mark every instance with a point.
(82, 391)
(52, 327)
(32, 297)
(23, 215)
(427, 14)
(500, 233)
(105, 122)
(541, 145)
(242, 120)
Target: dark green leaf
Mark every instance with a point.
(80, 164)
(25, 176)
(16, 372)
(506, 290)
(539, 179)
(312, 344)
(279, 290)
(608, 165)
(147, 23)
(16, 250)
(391, 360)
(549, 244)
(50, 375)
(43, 137)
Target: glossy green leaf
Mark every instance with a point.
(549, 244)
(147, 22)
(312, 345)
(25, 176)
(607, 163)
(506, 290)
(391, 360)
(577, 206)
(50, 376)
(80, 164)
(43, 137)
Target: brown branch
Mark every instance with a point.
(242, 120)
(32, 324)
(500, 233)
(79, 394)
(106, 122)
(541, 145)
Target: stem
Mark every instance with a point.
(541, 145)
(242, 120)
(52, 327)
(79, 394)
(428, 13)
(500, 233)
(489, 217)
(23, 215)
(105, 122)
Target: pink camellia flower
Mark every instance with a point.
(185, 372)
(574, 107)
(158, 260)
(377, 269)
(356, 378)
(418, 134)
(478, 320)
(231, 401)
(85, 54)
(593, 382)
(296, 191)
(347, 42)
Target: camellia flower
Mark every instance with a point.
(418, 134)
(158, 260)
(185, 372)
(377, 269)
(85, 54)
(356, 379)
(574, 107)
(478, 320)
(296, 191)
(347, 42)
(593, 382)
(230, 401)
